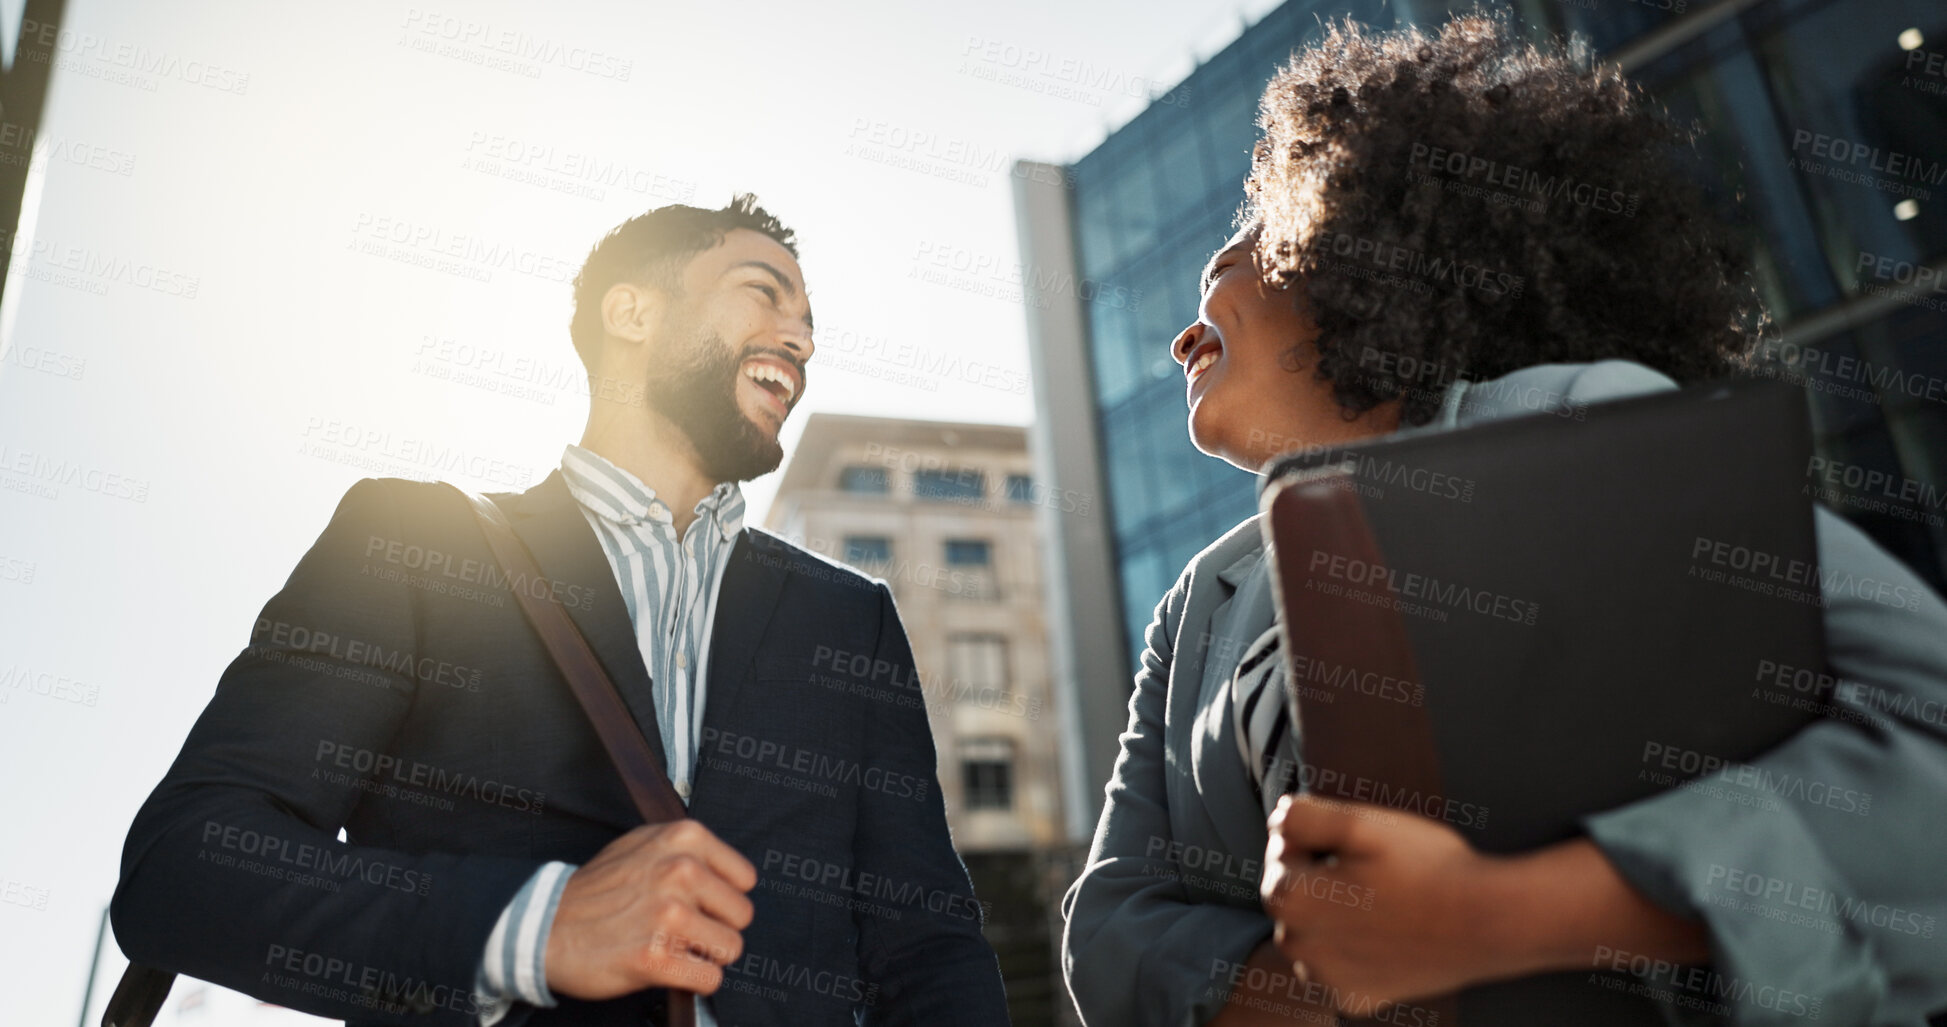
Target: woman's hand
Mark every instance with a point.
(1385, 906)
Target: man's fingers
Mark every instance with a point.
(695, 936)
(693, 838)
(722, 901)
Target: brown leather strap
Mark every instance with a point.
(1351, 742)
(648, 786)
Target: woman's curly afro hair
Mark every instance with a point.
(1461, 205)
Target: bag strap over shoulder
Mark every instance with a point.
(648, 785)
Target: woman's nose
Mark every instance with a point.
(1187, 341)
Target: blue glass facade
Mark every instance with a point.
(1156, 198)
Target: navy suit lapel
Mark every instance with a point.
(753, 584)
(548, 519)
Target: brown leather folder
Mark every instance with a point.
(1512, 626)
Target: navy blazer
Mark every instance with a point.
(393, 691)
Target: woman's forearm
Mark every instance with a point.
(1559, 907)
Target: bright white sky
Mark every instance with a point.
(206, 329)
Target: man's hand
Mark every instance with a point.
(1383, 906)
(659, 907)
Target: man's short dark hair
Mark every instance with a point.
(1462, 203)
(652, 249)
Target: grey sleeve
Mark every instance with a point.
(1818, 867)
(1139, 950)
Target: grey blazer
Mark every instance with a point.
(1843, 828)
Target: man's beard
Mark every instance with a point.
(695, 386)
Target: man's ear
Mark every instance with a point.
(631, 311)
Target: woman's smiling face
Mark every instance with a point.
(1247, 367)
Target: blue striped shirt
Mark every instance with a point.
(669, 583)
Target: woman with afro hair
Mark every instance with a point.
(1441, 229)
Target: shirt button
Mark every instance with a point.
(683, 789)
(683, 660)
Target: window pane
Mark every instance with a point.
(863, 479)
(976, 661)
(867, 549)
(967, 552)
(1020, 488)
(961, 484)
(987, 772)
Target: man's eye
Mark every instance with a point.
(769, 292)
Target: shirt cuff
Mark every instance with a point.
(513, 967)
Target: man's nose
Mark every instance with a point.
(796, 337)
(1187, 341)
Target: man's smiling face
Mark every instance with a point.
(728, 364)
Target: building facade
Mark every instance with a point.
(1829, 117)
(945, 514)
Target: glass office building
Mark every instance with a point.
(1828, 118)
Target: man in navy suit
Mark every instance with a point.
(394, 811)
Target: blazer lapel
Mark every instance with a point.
(548, 519)
(1222, 779)
(753, 583)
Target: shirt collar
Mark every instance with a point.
(615, 495)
